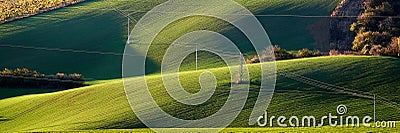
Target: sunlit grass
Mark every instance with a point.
(104, 105)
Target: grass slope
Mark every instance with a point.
(13, 92)
(104, 105)
(94, 26)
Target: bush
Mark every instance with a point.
(304, 53)
(394, 48)
(348, 52)
(76, 76)
(374, 34)
(6, 72)
(253, 60)
(371, 38)
(316, 52)
(281, 54)
(334, 53)
(20, 72)
(376, 50)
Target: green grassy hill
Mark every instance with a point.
(104, 105)
(89, 38)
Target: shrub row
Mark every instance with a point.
(25, 78)
(282, 54)
(378, 28)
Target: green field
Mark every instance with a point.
(90, 38)
(64, 40)
(104, 105)
(13, 92)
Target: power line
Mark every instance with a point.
(235, 14)
(328, 86)
(65, 50)
(231, 54)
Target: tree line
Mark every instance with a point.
(283, 54)
(13, 9)
(25, 78)
(378, 28)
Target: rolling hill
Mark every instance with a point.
(89, 38)
(104, 105)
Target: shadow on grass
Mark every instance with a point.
(14, 92)
(2, 118)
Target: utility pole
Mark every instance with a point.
(241, 68)
(127, 41)
(374, 108)
(196, 58)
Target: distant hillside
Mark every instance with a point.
(89, 38)
(14, 10)
(104, 105)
